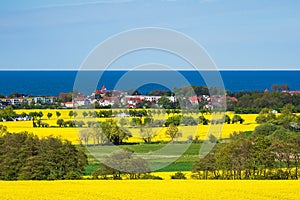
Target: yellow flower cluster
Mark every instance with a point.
(150, 189)
(72, 133)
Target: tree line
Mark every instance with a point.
(255, 101)
(24, 156)
(271, 152)
(254, 157)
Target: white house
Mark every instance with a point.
(68, 104)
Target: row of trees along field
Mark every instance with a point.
(271, 152)
(136, 121)
(254, 101)
(111, 131)
(255, 157)
(24, 156)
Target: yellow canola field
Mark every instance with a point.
(72, 133)
(150, 189)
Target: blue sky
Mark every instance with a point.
(237, 34)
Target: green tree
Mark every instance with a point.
(39, 122)
(227, 119)
(164, 102)
(114, 133)
(262, 155)
(148, 120)
(287, 116)
(295, 153)
(103, 172)
(71, 113)
(280, 134)
(58, 114)
(203, 120)
(40, 114)
(188, 121)
(265, 115)
(33, 116)
(84, 114)
(254, 157)
(237, 118)
(75, 114)
(26, 157)
(173, 132)
(60, 122)
(168, 111)
(7, 113)
(23, 114)
(265, 129)
(285, 87)
(206, 166)
(175, 120)
(135, 121)
(178, 175)
(49, 115)
(275, 87)
(79, 124)
(72, 176)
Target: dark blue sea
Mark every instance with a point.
(54, 82)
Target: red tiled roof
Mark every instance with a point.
(68, 103)
(232, 99)
(194, 99)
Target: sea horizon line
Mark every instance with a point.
(233, 69)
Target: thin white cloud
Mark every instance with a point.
(83, 3)
(104, 2)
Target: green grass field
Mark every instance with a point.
(183, 163)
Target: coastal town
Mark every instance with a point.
(101, 97)
(104, 98)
